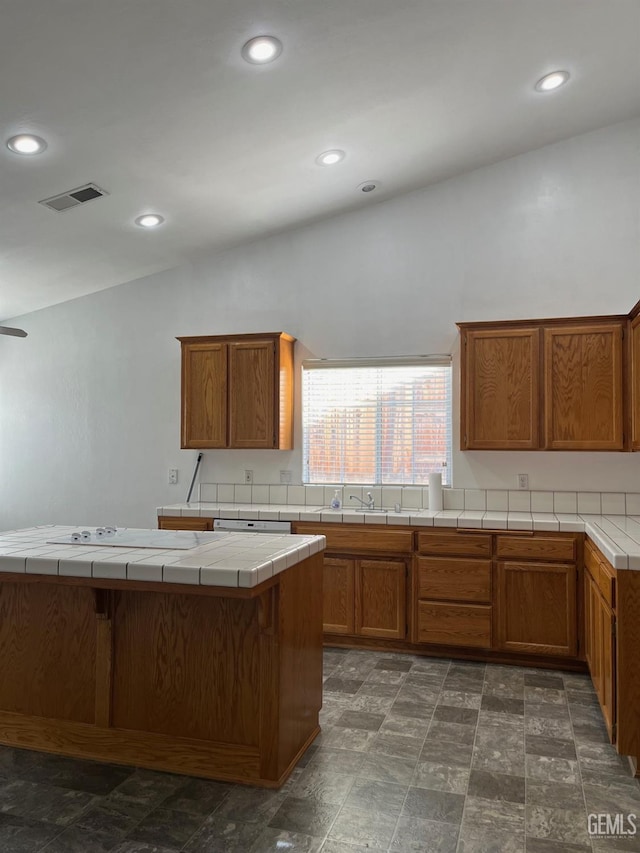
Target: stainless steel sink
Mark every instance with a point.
(375, 511)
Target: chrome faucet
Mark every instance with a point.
(366, 504)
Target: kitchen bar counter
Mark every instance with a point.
(218, 559)
(617, 536)
(205, 661)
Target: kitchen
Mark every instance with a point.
(547, 228)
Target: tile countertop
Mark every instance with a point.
(224, 559)
(617, 536)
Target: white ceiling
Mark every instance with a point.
(152, 101)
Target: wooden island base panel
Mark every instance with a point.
(224, 683)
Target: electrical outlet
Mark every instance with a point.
(248, 477)
(523, 481)
(285, 476)
(173, 476)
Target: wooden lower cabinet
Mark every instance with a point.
(600, 640)
(380, 598)
(536, 608)
(607, 688)
(511, 594)
(612, 647)
(338, 596)
(365, 597)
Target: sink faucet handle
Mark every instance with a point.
(369, 504)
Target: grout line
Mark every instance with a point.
(424, 740)
(592, 841)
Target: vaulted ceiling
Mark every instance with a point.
(152, 101)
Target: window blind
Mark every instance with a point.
(377, 422)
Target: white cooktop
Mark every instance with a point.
(162, 539)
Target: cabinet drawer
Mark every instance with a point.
(454, 624)
(592, 561)
(186, 522)
(607, 584)
(454, 579)
(457, 544)
(602, 572)
(536, 547)
(343, 538)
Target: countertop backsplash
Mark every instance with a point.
(417, 497)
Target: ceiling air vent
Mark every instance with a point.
(73, 198)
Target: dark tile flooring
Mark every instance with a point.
(416, 754)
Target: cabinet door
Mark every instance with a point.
(593, 632)
(635, 383)
(252, 392)
(501, 376)
(381, 598)
(596, 637)
(601, 652)
(608, 671)
(338, 596)
(171, 522)
(588, 630)
(536, 608)
(583, 387)
(204, 395)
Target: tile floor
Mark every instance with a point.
(416, 754)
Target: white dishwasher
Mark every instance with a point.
(249, 525)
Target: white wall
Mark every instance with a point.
(89, 415)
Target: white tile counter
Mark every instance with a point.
(223, 559)
(617, 536)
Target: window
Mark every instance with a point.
(375, 421)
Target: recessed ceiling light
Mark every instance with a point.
(262, 49)
(26, 143)
(368, 186)
(150, 220)
(552, 81)
(330, 158)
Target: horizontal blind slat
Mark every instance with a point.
(370, 424)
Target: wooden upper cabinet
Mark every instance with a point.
(548, 384)
(635, 382)
(237, 391)
(204, 395)
(500, 389)
(252, 394)
(584, 387)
